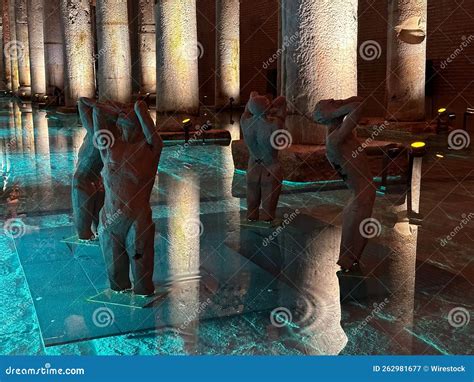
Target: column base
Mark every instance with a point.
(24, 92)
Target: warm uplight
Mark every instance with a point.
(418, 145)
(187, 120)
(442, 110)
(439, 156)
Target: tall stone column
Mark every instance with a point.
(318, 59)
(147, 46)
(36, 36)
(177, 56)
(78, 50)
(23, 48)
(227, 52)
(53, 46)
(12, 49)
(406, 56)
(6, 38)
(114, 73)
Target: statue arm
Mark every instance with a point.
(149, 128)
(351, 119)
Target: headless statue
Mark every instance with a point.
(264, 174)
(341, 118)
(87, 191)
(127, 231)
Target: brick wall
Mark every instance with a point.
(448, 21)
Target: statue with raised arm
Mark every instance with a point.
(341, 118)
(87, 192)
(130, 157)
(260, 120)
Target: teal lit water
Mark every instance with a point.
(230, 289)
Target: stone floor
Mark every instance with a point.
(228, 288)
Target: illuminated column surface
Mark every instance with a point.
(78, 50)
(23, 48)
(318, 59)
(53, 46)
(177, 57)
(147, 46)
(114, 74)
(36, 36)
(2, 68)
(13, 47)
(6, 43)
(227, 51)
(406, 60)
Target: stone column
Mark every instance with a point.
(23, 48)
(6, 38)
(227, 52)
(177, 56)
(406, 60)
(318, 59)
(147, 46)
(53, 46)
(35, 31)
(78, 50)
(114, 73)
(12, 49)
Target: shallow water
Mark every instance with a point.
(225, 288)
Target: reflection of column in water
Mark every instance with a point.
(399, 245)
(16, 120)
(28, 131)
(184, 229)
(310, 251)
(43, 157)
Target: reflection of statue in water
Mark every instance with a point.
(87, 191)
(341, 118)
(264, 174)
(130, 157)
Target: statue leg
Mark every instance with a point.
(83, 202)
(271, 190)
(254, 194)
(141, 249)
(360, 207)
(98, 204)
(112, 242)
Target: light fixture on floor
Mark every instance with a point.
(444, 120)
(469, 113)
